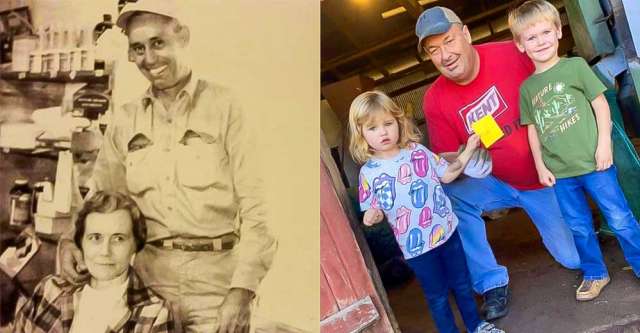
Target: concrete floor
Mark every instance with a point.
(542, 291)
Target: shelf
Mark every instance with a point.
(60, 77)
(44, 152)
(14, 231)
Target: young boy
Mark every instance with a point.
(569, 128)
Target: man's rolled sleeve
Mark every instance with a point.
(257, 245)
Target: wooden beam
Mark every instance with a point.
(343, 29)
(337, 74)
(412, 6)
(340, 190)
(423, 65)
(352, 319)
(361, 53)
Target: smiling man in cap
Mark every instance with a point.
(477, 81)
(183, 153)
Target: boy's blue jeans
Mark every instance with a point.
(471, 196)
(604, 189)
(440, 270)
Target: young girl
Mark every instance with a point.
(401, 179)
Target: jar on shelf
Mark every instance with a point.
(20, 203)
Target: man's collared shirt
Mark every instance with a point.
(191, 170)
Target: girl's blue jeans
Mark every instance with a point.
(604, 189)
(471, 196)
(440, 270)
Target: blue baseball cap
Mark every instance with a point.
(434, 21)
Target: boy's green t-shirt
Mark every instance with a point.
(558, 102)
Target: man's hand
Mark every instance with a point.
(545, 177)
(372, 216)
(604, 156)
(234, 314)
(72, 262)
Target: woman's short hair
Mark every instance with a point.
(107, 202)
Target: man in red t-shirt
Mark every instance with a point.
(477, 81)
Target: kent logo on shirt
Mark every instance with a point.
(491, 102)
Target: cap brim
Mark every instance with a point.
(433, 30)
(124, 18)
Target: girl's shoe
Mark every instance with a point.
(487, 327)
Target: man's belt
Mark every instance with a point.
(220, 243)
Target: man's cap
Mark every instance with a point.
(434, 21)
(169, 8)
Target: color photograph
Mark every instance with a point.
(480, 166)
(157, 171)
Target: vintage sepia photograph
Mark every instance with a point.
(157, 169)
(479, 166)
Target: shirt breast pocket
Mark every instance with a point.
(199, 163)
(139, 170)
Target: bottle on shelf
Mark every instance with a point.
(65, 49)
(76, 51)
(52, 53)
(101, 27)
(20, 203)
(87, 49)
(42, 190)
(36, 57)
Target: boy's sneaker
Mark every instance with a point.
(486, 327)
(590, 289)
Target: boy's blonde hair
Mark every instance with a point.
(360, 112)
(529, 13)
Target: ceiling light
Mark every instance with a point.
(393, 12)
(401, 9)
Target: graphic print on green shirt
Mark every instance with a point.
(556, 114)
(558, 102)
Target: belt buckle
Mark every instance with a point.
(175, 245)
(217, 244)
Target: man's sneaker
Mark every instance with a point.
(590, 289)
(495, 303)
(486, 327)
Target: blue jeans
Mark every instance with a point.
(440, 270)
(471, 196)
(604, 189)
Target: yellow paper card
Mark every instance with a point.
(488, 130)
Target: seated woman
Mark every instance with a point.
(109, 230)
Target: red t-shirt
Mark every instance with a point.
(450, 109)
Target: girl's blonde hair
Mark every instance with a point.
(529, 13)
(361, 110)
